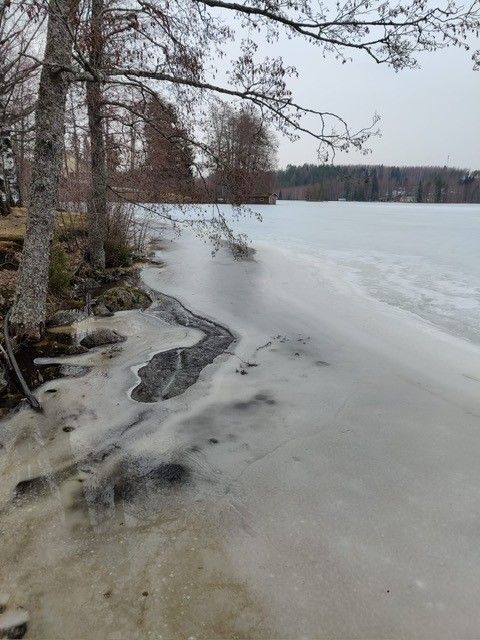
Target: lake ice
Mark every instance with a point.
(332, 489)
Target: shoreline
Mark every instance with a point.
(196, 341)
(72, 284)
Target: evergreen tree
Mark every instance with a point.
(419, 194)
(438, 189)
(168, 156)
(375, 189)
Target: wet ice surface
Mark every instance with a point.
(329, 491)
(444, 297)
(421, 258)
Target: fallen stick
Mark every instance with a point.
(245, 362)
(33, 402)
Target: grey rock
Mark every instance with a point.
(101, 337)
(124, 297)
(74, 350)
(66, 317)
(89, 284)
(101, 310)
(13, 623)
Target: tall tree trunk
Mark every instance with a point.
(4, 206)
(97, 205)
(76, 144)
(10, 169)
(133, 144)
(29, 310)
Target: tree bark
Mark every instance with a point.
(97, 205)
(29, 310)
(4, 207)
(10, 169)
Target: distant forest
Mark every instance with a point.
(377, 183)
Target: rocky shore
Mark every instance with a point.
(82, 367)
(61, 336)
(76, 292)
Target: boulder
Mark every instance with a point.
(124, 297)
(65, 317)
(101, 310)
(73, 350)
(13, 623)
(89, 284)
(100, 337)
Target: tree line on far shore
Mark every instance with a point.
(366, 183)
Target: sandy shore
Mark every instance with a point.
(329, 490)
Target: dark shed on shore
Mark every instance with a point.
(263, 198)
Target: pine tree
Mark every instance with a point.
(419, 194)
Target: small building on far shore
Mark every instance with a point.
(262, 198)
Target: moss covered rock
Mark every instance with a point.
(124, 297)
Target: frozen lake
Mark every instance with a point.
(422, 258)
(329, 458)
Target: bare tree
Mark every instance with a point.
(18, 31)
(21, 120)
(242, 155)
(185, 36)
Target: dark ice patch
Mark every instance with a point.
(258, 399)
(265, 398)
(170, 473)
(131, 484)
(171, 373)
(43, 485)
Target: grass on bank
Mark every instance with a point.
(12, 227)
(69, 269)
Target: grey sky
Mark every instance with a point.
(429, 115)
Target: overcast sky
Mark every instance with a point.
(430, 116)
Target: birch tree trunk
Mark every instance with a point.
(97, 205)
(29, 310)
(10, 169)
(4, 207)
